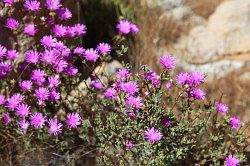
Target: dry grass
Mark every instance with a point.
(157, 30)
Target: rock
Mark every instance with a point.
(221, 45)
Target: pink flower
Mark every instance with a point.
(38, 76)
(54, 127)
(73, 120)
(30, 30)
(232, 161)
(54, 81)
(123, 73)
(24, 125)
(32, 5)
(13, 101)
(167, 122)
(79, 29)
(23, 110)
(54, 95)
(182, 78)
(196, 79)
(48, 56)
(3, 51)
(25, 85)
(153, 135)
(53, 4)
(64, 13)
(130, 87)
(59, 30)
(110, 93)
(9, 2)
(124, 27)
(79, 50)
(168, 62)
(11, 23)
(2, 100)
(37, 120)
(91, 55)
(6, 119)
(134, 102)
(42, 93)
(221, 107)
(198, 94)
(129, 144)
(134, 28)
(234, 122)
(12, 54)
(104, 48)
(32, 56)
(48, 41)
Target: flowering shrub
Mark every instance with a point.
(131, 119)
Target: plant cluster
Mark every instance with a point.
(140, 118)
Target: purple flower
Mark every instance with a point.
(12, 54)
(134, 28)
(42, 93)
(54, 127)
(168, 62)
(104, 48)
(79, 50)
(5, 68)
(96, 84)
(9, 2)
(124, 27)
(59, 30)
(26, 85)
(221, 107)
(153, 135)
(110, 93)
(48, 57)
(11, 23)
(60, 65)
(134, 102)
(54, 81)
(71, 71)
(234, 122)
(167, 122)
(30, 30)
(32, 5)
(32, 56)
(54, 95)
(48, 41)
(2, 99)
(198, 94)
(168, 85)
(196, 79)
(53, 4)
(6, 119)
(70, 31)
(3, 51)
(37, 120)
(91, 55)
(64, 14)
(73, 120)
(130, 87)
(232, 161)
(13, 101)
(24, 125)
(79, 29)
(23, 110)
(38, 76)
(182, 78)
(129, 144)
(123, 73)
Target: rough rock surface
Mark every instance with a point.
(209, 46)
